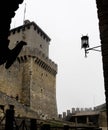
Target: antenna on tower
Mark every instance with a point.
(24, 13)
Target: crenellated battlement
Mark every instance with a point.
(51, 69)
(39, 58)
(31, 33)
(27, 26)
(83, 111)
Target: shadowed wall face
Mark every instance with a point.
(7, 8)
(102, 11)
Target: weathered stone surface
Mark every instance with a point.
(33, 75)
(20, 109)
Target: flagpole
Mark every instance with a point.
(24, 13)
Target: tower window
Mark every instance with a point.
(40, 45)
(23, 29)
(41, 34)
(18, 30)
(38, 31)
(13, 32)
(25, 57)
(35, 28)
(41, 90)
(28, 26)
(22, 58)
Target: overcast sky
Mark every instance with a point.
(80, 81)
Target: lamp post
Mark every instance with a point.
(85, 45)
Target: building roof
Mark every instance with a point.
(87, 113)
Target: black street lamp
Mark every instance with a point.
(85, 45)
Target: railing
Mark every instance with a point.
(10, 122)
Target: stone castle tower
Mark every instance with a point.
(33, 75)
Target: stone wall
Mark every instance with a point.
(16, 81)
(34, 81)
(20, 109)
(43, 91)
(11, 80)
(102, 119)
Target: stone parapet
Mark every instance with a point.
(26, 26)
(20, 109)
(39, 58)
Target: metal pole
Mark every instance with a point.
(9, 118)
(93, 47)
(33, 125)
